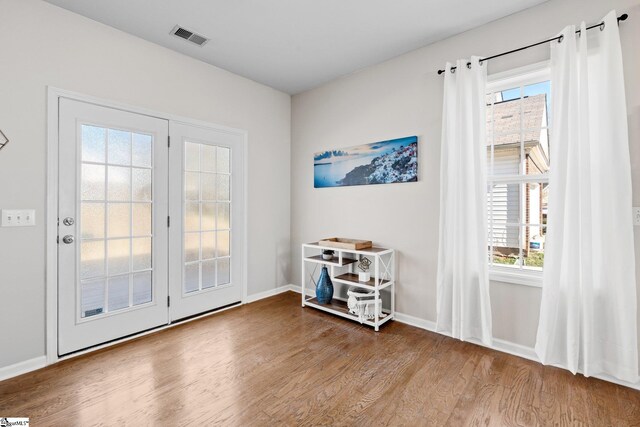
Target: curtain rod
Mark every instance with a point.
(622, 17)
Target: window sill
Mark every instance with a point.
(517, 277)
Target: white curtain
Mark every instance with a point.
(588, 312)
(463, 306)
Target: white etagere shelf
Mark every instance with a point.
(342, 270)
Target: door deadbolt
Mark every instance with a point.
(68, 221)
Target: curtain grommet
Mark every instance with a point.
(602, 26)
(561, 38)
(453, 70)
(469, 65)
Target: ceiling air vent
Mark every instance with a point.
(189, 35)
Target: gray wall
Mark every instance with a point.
(42, 45)
(403, 97)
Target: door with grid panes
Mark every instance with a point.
(112, 224)
(207, 228)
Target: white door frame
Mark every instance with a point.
(51, 210)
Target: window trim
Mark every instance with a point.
(521, 76)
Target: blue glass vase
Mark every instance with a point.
(324, 287)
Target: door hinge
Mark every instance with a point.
(168, 141)
(168, 221)
(168, 301)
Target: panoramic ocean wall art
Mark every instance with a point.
(384, 162)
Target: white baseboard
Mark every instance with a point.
(415, 321)
(295, 288)
(22, 367)
(266, 294)
(498, 344)
(501, 345)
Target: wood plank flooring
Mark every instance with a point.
(274, 363)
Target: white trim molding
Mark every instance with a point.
(23, 367)
(498, 344)
(266, 294)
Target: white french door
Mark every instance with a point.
(206, 251)
(149, 233)
(113, 237)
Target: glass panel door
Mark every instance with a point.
(113, 196)
(207, 199)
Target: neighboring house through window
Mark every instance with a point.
(518, 164)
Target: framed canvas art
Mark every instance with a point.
(384, 162)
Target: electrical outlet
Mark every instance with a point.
(636, 216)
(18, 217)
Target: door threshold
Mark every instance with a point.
(140, 334)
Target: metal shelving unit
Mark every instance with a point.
(342, 270)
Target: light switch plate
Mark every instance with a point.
(636, 216)
(18, 217)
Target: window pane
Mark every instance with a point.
(508, 95)
(119, 220)
(191, 156)
(92, 259)
(93, 144)
(118, 292)
(504, 204)
(142, 219)
(208, 158)
(224, 271)
(208, 186)
(192, 277)
(119, 183)
(543, 89)
(142, 185)
(142, 288)
(191, 247)
(208, 245)
(119, 147)
(223, 243)
(223, 187)
(517, 140)
(207, 181)
(93, 182)
(506, 116)
(208, 274)
(92, 298)
(506, 245)
(141, 259)
(535, 199)
(533, 247)
(536, 144)
(208, 216)
(118, 261)
(223, 216)
(92, 220)
(223, 160)
(192, 186)
(141, 150)
(192, 216)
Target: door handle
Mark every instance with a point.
(68, 239)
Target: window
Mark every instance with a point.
(207, 235)
(518, 164)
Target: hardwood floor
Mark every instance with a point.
(275, 363)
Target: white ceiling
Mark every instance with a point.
(295, 45)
